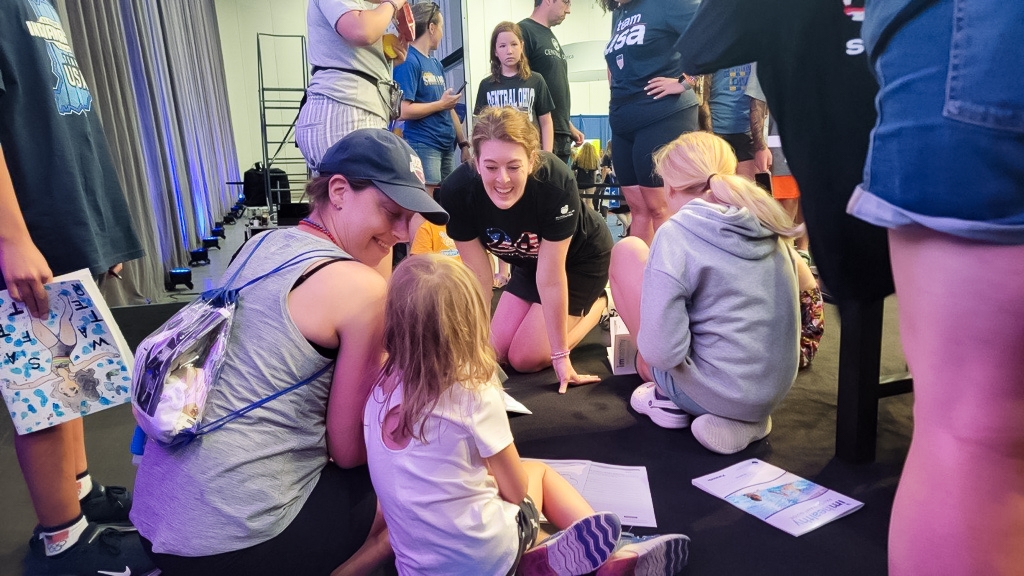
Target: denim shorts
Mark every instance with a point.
(947, 150)
(437, 164)
(667, 385)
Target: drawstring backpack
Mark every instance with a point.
(177, 365)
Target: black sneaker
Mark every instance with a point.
(100, 550)
(107, 504)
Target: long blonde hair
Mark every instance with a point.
(437, 334)
(700, 161)
(587, 159)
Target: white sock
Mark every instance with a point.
(59, 540)
(84, 485)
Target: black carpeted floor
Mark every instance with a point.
(595, 423)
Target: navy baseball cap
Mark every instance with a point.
(383, 158)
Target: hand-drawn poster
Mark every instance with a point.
(69, 364)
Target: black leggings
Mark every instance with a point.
(333, 523)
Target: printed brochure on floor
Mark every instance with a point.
(780, 498)
(72, 363)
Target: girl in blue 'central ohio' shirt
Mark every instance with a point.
(651, 105)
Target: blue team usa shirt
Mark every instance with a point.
(642, 46)
(730, 105)
(422, 81)
(69, 91)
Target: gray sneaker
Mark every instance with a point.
(579, 549)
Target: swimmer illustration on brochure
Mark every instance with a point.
(780, 498)
(72, 363)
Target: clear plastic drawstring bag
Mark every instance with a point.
(177, 365)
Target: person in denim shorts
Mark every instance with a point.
(945, 174)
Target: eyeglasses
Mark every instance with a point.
(434, 9)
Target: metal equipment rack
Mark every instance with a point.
(283, 69)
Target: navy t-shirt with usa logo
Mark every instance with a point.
(642, 46)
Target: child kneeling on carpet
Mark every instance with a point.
(718, 326)
(456, 497)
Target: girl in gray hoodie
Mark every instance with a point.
(717, 316)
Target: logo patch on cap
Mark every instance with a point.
(416, 167)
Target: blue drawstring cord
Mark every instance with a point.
(225, 296)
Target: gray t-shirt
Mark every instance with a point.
(328, 49)
(243, 484)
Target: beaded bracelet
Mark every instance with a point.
(558, 355)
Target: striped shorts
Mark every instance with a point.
(323, 121)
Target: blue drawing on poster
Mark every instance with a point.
(59, 367)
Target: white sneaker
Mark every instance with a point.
(647, 556)
(648, 400)
(728, 436)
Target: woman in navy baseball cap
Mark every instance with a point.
(285, 488)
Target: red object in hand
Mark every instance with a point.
(406, 24)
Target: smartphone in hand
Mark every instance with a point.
(764, 180)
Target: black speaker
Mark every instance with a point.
(291, 214)
(254, 186)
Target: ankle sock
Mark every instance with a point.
(84, 484)
(59, 538)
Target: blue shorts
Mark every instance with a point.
(947, 151)
(437, 164)
(667, 385)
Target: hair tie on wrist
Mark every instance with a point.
(707, 186)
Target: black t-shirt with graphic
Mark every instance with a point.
(546, 58)
(54, 146)
(550, 209)
(530, 95)
(642, 46)
(824, 124)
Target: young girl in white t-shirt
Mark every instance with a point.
(456, 497)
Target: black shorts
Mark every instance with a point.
(528, 520)
(631, 154)
(587, 282)
(562, 147)
(742, 145)
(333, 523)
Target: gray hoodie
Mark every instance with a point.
(720, 310)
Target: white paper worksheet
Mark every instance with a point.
(623, 490)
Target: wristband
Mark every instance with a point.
(463, 144)
(557, 355)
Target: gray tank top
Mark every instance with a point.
(243, 484)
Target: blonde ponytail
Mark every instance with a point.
(699, 161)
(733, 190)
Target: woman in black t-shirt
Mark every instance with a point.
(522, 205)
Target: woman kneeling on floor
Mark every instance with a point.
(284, 489)
(718, 326)
(522, 205)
